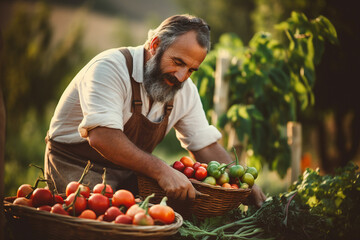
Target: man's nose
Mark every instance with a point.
(182, 74)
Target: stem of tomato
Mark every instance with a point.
(77, 193)
(103, 191)
(86, 170)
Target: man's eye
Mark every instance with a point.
(178, 63)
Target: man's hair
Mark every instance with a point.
(178, 25)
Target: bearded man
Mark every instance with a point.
(122, 104)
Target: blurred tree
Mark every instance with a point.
(223, 16)
(32, 68)
(336, 96)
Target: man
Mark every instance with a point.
(123, 102)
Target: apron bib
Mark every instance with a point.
(65, 162)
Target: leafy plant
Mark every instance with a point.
(270, 83)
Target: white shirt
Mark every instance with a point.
(100, 95)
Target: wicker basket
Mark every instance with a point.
(27, 222)
(215, 200)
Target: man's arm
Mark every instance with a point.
(216, 152)
(114, 145)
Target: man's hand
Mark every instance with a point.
(176, 184)
(257, 197)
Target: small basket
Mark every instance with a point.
(25, 222)
(214, 201)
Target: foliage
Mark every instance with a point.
(270, 83)
(33, 68)
(334, 197)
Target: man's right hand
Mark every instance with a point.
(176, 184)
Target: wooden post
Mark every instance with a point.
(221, 91)
(2, 165)
(295, 142)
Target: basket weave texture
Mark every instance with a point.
(30, 223)
(215, 200)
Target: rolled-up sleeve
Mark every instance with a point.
(193, 129)
(102, 95)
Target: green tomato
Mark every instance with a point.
(248, 178)
(210, 180)
(244, 186)
(214, 162)
(224, 178)
(252, 171)
(236, 171)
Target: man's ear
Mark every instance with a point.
(154, 45)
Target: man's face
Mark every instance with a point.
(166, 71)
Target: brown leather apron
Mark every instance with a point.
(66, 162)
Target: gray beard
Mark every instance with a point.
(154, 83)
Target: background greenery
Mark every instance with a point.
(35, 69)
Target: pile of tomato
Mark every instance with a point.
(232, 175)
(101, 203)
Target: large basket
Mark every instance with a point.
(215, 200)
(30, 223)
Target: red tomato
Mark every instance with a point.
(179, 166)
(24, 190)
(189, 172)
(123, 197)
(204, 165)
(58, 199)
(80, 203)
(108, 190)
(88, 213)
(58, 208)
(196, 165)
(111, 213)
(234, 185)
(23, 201)
(100, 218)
(98, 203)
(200, 173)
(226, 185)
(45, 208)
(162, 213)
(124, 219)
(187, 161)
(42, 196)
(143, 219)
(73, 186)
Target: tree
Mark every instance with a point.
(32, 69)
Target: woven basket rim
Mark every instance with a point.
(197, 182)
(95, 225)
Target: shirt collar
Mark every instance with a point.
(138, 63)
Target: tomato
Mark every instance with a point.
(23, 201)
(88, 214)
(24, 190)
(210, 180)
(111, 213)
(189, 172)
(98, 188)
(73, 186)
(178, 166)
(161, 212)
(236, 171)
(234, 186)
(200, 173)
(58, 199)
(124, 219)
(123, 197)
(196, 165)
(100, 218)
(187, 161)
(226, 185)
(134, 209)
(214, 163)
(44, 208)
(213, 170)
(248, 178)
(79, 205)
(244, 185)
(98, 203)
(204, 165)
(224, 178)
(142, 219)
(42, 196)
(58, 208)
(252, 171)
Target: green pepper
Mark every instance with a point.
(213, 170)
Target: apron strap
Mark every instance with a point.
(136, 102)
